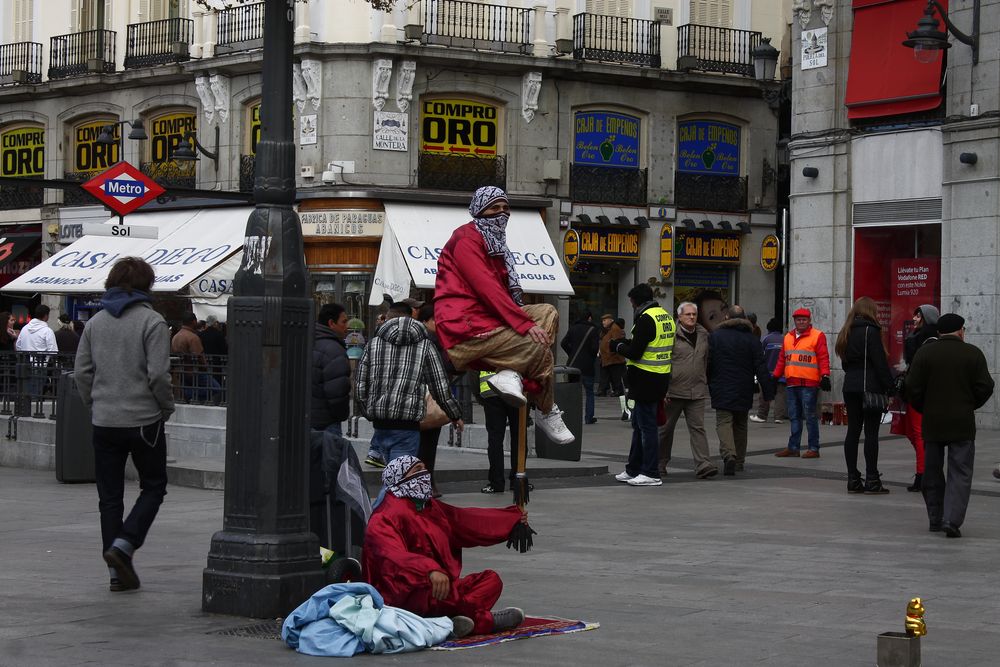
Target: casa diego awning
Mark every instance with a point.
(415, 233)
(188, 244)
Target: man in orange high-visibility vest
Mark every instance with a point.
(805, 365)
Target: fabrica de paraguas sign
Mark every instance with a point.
(606, 139)
(708, 147)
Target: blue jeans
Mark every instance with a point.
(588, 390)
(802, 406)
(393, 443)
(644, 456)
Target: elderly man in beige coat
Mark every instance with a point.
(688, 392)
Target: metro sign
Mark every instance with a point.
(123, 188)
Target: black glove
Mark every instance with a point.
(824, 383)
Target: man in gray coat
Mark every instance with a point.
(123, 375)
(688, 392)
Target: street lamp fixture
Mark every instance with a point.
(185, 150)
(765, 60)
(928, 42)
(138, 132)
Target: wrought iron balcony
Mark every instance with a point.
(473, 25)
(248, 170)
(461, 172)
(712, 49)
(616, 39)
(240, 28)
(20, 62)
(607, 185)
(171, 174)
(79, 196)
(710, 193)
(90, 52)
(158, 42)
(29, 195)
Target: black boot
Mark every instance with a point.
(854, 483)
(873, 485)
(918, 483)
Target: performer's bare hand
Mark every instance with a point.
(539, 335)
(458, 424)
(440, 583)
(524, 517)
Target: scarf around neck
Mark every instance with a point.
(417, 487)
(494, 232)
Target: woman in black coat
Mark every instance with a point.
(866, 368)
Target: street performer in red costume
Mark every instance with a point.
(413, 552)
(481, 317)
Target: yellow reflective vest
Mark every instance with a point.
(656, 357)
(485, 390)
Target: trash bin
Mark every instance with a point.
(74, 434)
(569, 398)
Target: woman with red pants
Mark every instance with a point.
(925, 319)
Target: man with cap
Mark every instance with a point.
(415, 306)
(804, 363)
(947, 382)
(482, 320)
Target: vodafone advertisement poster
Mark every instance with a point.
(913, 282)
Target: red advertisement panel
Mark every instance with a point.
(914, 282)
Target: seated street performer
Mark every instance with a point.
(413, 552)
(481, 317)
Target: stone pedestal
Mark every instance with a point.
(897, 649)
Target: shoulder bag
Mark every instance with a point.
(873, 401)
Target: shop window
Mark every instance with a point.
(89, 157)
(460, 145)
(607, 159)
(709, 165)
(166, 130)
(22, 155)
(251, 137)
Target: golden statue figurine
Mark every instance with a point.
(915, 626)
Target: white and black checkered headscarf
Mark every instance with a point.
(494, 231)
(400, 483)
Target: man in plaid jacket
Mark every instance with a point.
(400, 364)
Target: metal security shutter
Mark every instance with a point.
(897, 211)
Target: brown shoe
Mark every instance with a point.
(787, 452)
(811, 454)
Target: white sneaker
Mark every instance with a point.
(643, 480)
(507, 384)
(755, 418)
(623, 476)
(552, 425)
(779, 421)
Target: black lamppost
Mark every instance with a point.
(928, 42)
(264, 561)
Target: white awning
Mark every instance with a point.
(415, 233)
(190, 243)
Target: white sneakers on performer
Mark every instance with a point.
(552, 425)
(507, 384)
(623, 476)
(643, 480)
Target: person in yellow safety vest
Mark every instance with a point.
(805, 364)
(497, 416)
(647, 356)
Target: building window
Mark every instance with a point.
(89, 157)
(460, 146)
(22, 155)
(157, 10)
(715, 13)
(84, 14)
(709, 164)
(166, 130)
(607, 158)
(24, 12)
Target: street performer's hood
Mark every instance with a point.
(736, 323)
(402, 331)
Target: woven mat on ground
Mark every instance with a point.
(532, 627)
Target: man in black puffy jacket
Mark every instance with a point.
(331, 371)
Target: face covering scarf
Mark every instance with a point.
(398, 481)
(494, 231)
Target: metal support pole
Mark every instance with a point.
(265, 562)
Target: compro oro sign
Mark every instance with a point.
(769, 252)
(459, 127)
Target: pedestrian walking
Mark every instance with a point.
(947, 382)
(771, 343)
(804, 364)
(430, 436)
(582, 344)
(37, 335)
(67, 339)
(735, 362)
(688, 392)
(123, 375)
(648, 354)
(924, 331)
(197, 384)
(498, 416)
(331, 371)
(613, 364)
(866, 372)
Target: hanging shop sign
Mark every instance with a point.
(459, 127)
(571, 248)
(606, 139)
(88, 154)
(769, 252)
(166, 133)
(22, 152)
(666, 251)
(708, 147)
(391, 131)
(342, 223)
(609, 244)
(709, 247)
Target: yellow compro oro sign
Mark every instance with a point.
(89, 156)
(666, 251)
(166, 131)
(571, 248)
(22, 151)
(769, 252)
(253, 128)
(459, 127)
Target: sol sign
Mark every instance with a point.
(769, 247)
(459, 127)
(22, 152)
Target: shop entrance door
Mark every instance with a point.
(348, 289)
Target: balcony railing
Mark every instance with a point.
(607, 185)
(79, 196)
(248, 169)
(712, 49)
(460, 172)
(616, 39)
(21, 63)
(473, 25)
(90, 52)
(240, 28)
(710, 193)
(29, 195)
(158, 42)
(171, 174)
